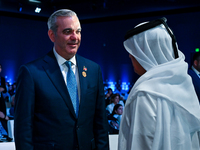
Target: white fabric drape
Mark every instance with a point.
(162, 111)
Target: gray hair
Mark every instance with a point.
(52, 19)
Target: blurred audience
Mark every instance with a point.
(109, 93)
(6, 94)
(114, 119)
(12, 89)
(11, 110)
(115, 99)
(3, 117)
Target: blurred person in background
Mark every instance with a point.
(194, 72)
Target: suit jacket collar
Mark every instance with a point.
(53, 71)
(83, 81)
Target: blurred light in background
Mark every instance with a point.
(197, 50)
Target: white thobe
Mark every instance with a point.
(162, 111)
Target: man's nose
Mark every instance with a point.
(73, 36)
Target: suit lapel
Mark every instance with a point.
(83, 82)
(53, 71)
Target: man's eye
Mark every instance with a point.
(78, 32)
(71, 31)
(67, 31)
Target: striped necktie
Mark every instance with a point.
(72, 87)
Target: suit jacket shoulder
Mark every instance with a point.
(88, 61)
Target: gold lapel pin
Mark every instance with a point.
(84, 71)
(84, 74)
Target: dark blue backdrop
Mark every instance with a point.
(23, 40)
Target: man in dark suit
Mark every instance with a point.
(45, 118)
(194, 72)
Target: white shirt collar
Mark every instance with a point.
(62, 60)
(64, 68)
(196, 71)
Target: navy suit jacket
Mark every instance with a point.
(196, 82)
(44, 114)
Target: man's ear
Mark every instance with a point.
(51, 35)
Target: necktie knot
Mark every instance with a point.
(68, 64)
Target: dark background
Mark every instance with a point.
(24, 38)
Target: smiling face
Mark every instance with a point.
(68, 36)
(137, 67)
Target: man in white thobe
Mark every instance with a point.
(162, 111)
